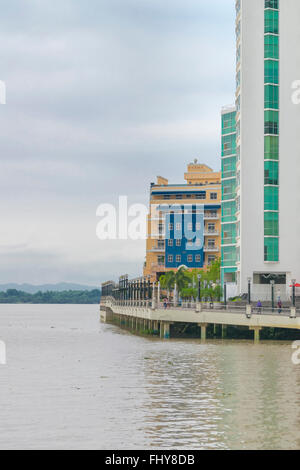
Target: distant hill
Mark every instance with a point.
(60, 287)
(13, 296)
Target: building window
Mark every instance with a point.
(170, 258)
(178, 226)
(171, 226)
(271, 122)
(271, 97)
(271, 21)
(198, 258)
(190, 258)
(198, 226)
(201, 195)
(272, 249)
(178, 242)
(272, 4)
(271, 46)
(161, 260)
(211, 228)
(271, 198)
(271, 173)
(271, 148)
(213, 196)
(178, 196)
(178, 259)
(272, 72)
(170, 242)
(190, 226)
(211, 259)
(271, 224)
(211, 243)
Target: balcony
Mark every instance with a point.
(211, 216)
(211, 249)
(208, 233)
(157, 249)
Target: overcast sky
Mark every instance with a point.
(102, 96)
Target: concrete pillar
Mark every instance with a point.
(153, 297)
(256, 330)
(293, 312)
(248, 310)
(198, 307)
(155, 326)
(224, 331)
(166, 330)
(203, 327)
(215, 330)
(161, 330)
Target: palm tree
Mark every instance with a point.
(167, 281)
(182, 278)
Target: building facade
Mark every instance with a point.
(264, 223)
(184, 222)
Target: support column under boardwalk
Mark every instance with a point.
(165, 330)
(256, 330)
(203, 327)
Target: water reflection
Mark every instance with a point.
(226, 395)
(74, 383)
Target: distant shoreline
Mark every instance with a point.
(70, 297)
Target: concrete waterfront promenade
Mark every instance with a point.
(149, 316)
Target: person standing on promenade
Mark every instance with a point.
(259, 307)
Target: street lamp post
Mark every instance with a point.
(272, 289)
(249, 290)
(199, 287)
(294, 292)
(225, 294)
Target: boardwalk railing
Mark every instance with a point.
(204, 306)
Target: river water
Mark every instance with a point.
(73, 383)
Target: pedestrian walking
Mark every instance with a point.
(259, 307)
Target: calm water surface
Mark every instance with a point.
(71, 382)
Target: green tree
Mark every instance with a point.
(167, 281)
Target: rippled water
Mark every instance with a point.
(71, 382)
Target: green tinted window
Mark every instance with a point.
(271, 72)
(228, 123)
(228, 234)
(228, 167)
(228, 189)
(271, 148)
(272, 224)
(271, 122)
(271, 249)
(271, 96)
(271, 173)
(271, 21)
(228, 256)
(228, 211)
(271, 47)
(229, 145)
(271, 198)
(272, 4)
